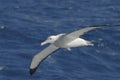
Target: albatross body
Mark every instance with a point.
(61, 41)
(74, 43)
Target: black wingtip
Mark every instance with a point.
(106, 25)
(32, 71)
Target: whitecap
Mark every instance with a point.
(2, 27)
(50, 60)
(1, 68)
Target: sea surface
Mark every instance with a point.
(24, 24)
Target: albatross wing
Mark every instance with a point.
(80, 32)
(38, 58)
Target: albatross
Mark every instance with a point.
(67, 41)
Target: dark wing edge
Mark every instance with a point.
(32, 70)
(81, 31)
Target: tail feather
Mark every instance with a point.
(90, 43)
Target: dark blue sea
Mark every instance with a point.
(24, 24)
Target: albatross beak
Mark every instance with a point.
(43, 43)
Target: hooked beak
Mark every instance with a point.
(43, 43)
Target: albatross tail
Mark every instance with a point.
(90, 43)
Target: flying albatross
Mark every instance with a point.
(62, 41)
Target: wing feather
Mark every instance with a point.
(38, 58)
(80, 32)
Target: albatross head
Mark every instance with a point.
(50, 39)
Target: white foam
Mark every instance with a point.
(1, 68)
(2, 27)
(50, 60)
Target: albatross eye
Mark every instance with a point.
(50, 38)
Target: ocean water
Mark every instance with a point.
(24, 24)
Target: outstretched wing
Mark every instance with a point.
(38, 58)
(73, 35)
(78, 33)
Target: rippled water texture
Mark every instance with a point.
(24, 24)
